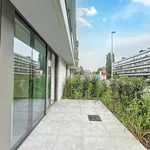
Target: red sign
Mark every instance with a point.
(38, 72)
(104, 73)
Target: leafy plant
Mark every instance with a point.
(128, 98)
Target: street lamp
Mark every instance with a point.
(112, 33)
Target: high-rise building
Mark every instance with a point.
(136, 65)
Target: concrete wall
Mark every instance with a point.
(61, 77)
(53, 77)
(6, 74)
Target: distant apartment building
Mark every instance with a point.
(22, 65)
(136, 65)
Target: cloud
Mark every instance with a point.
(82, 22)
(90, 12)
(145, 2)
(128, 46)
(133, 8)
(135, 40)
(81, 12)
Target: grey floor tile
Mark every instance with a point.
(72, 117)
(94, 129)
(73, 110)
(88, 111)
(68, 143)
(39, 141)
(95, 142)
(70, 129)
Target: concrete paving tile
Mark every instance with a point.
(72, 117)
(73, 110)
(68, 143)
(96, 142)
(55, 116)
(94, 129)
(50, 129)
(88, 111)
(113, 126)
(84, 118)
(39, 141)
(120, 134)
(70, 129)
(58, 110)
(108, 118)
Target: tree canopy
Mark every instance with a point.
(108, 62)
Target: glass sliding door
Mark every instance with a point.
(29, 81)
(39, 79)
(22, 86)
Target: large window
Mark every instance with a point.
(39, 77)
(29, 81)
(22, 86)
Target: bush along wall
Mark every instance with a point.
(128, 98)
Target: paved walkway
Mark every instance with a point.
(66, 127)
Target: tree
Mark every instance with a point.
(99, 69)
(80, 70)
(41, 60)
(108, 62)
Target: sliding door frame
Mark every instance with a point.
(33, 32)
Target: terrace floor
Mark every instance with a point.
(67, 127)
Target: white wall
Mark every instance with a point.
(6, 74)
(53, 77)
(61, 77)
(68, 72)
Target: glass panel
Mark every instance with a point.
(49, 79)
(39, 65)
(22, 67)
(53, 79)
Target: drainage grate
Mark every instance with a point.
(94, 118)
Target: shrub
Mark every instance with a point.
(125, 97)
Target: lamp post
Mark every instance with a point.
(112, 33)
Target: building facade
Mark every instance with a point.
(38, 48)
(137, 65)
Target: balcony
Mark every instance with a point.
(67, 127)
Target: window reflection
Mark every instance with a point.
(21, 95)
(39, 55)
(29, 81)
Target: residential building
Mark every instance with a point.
(22, 65)
(38, 50)
(136, 65)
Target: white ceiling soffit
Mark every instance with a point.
(46, 16)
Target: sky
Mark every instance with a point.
(96, 19)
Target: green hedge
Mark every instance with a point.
(87, 88)
(23, 84)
